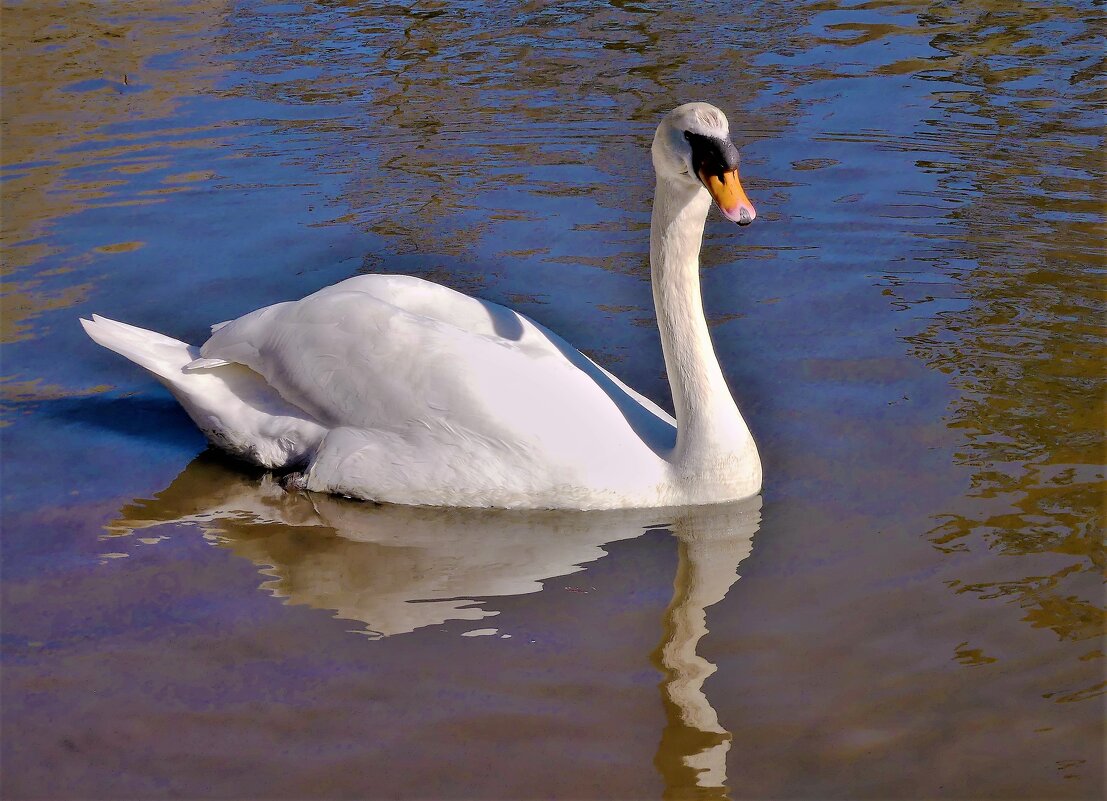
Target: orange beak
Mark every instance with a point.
(727, 192)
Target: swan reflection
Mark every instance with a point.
(396, 569)
(712, 542)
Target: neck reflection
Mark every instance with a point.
(712, 542)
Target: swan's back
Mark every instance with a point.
(383, 351)
(442, 386)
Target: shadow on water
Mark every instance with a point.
(397, 569)
(154, 419)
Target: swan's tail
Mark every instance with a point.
(234, 406)
(163, 356)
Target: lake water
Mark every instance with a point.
(912, 327)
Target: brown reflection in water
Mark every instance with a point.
(70, 71)
(396, 569)
(691, 756)
(456, 106)
(1026, 353)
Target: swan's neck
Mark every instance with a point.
(713, 442)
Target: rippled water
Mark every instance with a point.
(912, 327)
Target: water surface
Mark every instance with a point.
(912, 327)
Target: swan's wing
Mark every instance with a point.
(390, 352)
(487, 319)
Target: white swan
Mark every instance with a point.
(394, 389)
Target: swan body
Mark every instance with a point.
(394, 389)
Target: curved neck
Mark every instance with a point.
(710, 430)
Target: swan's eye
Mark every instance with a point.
(688, 136)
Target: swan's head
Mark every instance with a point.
(692, 145)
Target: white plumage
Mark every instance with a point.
(394, 389)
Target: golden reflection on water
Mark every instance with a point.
(1027, 351)
(396, 569)
(71, 72)
(463, 109)
(429, 115)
